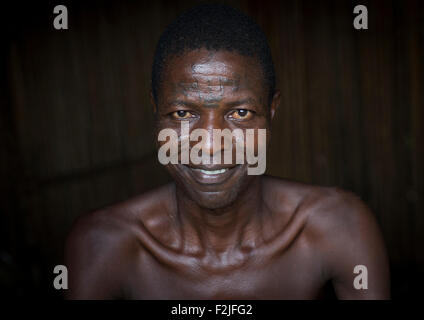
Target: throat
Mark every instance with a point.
(221, 233)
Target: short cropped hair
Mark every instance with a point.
(213, 27)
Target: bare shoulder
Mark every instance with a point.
(102, 243)
(344, 233)
(340, 218)
(329, 209)
(350, 241)
(116, 221)
(334, 211)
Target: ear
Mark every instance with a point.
(275, 103)
(152, 101)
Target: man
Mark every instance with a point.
(219, 232)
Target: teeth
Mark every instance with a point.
(213, 171)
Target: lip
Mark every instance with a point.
(211, 175)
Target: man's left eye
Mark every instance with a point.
(241, 114)
(182, 114)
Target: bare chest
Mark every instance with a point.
(293, 273)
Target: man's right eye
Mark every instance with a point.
(182, 114)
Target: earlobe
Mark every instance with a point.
(275, 103)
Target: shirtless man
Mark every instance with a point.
(223, 234)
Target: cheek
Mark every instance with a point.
(257, 138)
(166, 127)
(255, 141)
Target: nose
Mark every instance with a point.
(208, 127)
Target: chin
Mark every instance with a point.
(213, 196)
(215, 200)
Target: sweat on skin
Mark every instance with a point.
(197, 101)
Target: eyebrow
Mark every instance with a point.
(181, 102)
(211, 104)
(241, 102)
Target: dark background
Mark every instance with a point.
(76, 122)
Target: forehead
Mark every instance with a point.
(203, 72)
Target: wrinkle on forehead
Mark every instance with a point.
(211, 68)
(215, 83)
(213, 73)
(211, 77)
(210, 80)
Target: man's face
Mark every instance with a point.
(213, 90)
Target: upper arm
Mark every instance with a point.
(352, 238)
(95, 257)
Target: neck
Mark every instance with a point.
(219, 231)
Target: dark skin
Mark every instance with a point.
(235, 236)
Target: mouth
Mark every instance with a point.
(212, 175)
(212, 172)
